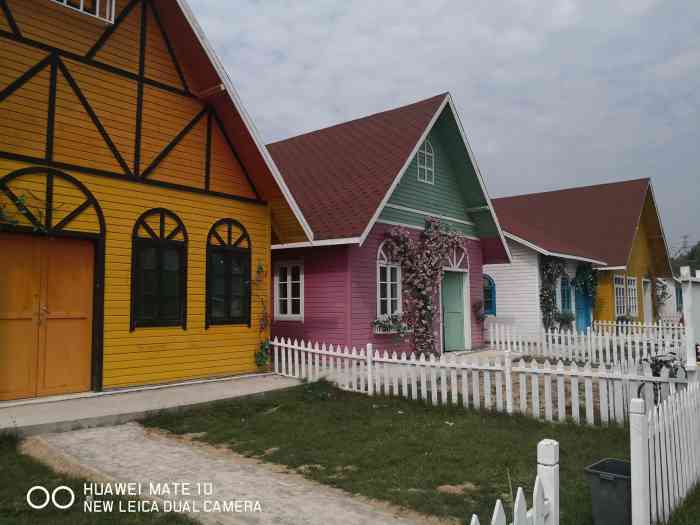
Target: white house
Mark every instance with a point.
(612, 231)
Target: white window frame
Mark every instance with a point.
(384, 262)
(632, 297)
(289, 316)
(620, 289)
(104, 9)
(426, 171)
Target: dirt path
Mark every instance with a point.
(130, 453)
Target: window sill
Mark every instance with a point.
(285, 318)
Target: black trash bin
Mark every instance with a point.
(611, 491)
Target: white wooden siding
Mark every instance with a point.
(517, 290)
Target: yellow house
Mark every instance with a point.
(610, 234)
(137, 203)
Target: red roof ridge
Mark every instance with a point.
(357, 119)
(574, 188)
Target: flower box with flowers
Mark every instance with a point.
(390, 324)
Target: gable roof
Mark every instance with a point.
(595, 223)
(340, 174)
(213, 85)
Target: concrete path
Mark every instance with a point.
(130, 453)
(115, 407)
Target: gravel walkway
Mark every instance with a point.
(130, 453)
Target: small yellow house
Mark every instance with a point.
(607, 233)
(137, 203)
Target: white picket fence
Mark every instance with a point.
(597, 346)
(659, 330)
(552, 392)
(665, 454)
(545, 496)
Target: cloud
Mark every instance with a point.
(552, 93)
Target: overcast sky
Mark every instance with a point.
(552, 93)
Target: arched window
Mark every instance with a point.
(426, 163)
(458, 260)
(388, 285)
(489, 295)
(228, 274)
(566, 294)
(159, 270)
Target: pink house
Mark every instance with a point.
(354, 182)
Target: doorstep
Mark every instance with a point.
(114, 407)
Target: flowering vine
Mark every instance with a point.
(551, 268)
(422, 263)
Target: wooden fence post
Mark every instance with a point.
(639, 458)
(688, 321)
(370, 375)
(507, 371)
(548, 472)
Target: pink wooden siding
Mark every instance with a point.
(340, 294)
(325, 295)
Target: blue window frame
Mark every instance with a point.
(565, 294)
(679, 298)
(489, 295)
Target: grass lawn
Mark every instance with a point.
(402, 451)
(20, 472)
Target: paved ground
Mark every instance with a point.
(131, 453)
(111, 408)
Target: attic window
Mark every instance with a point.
(100, 9)
(426, 163)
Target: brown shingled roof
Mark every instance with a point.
(595, 222)
(340, 174)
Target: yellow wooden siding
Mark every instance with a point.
(122, 49)
(58, 26)
(23, 117)
(285, 222)
(604, 298)
(185, 163)
(164, 116)
(4, 24)
(16, 59)
(151, 355)
(226, 174)
(77, 139)
(113, 98)
(640, 265)
(159, 64)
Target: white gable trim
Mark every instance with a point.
(236, 101)
(406, 164)
(465, 140)
(447, 101)
(541, 250)
(428, 214)
(323, 242)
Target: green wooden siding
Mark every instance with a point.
(456, 187)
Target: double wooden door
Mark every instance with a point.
(46, 306)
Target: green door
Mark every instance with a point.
(453, 311)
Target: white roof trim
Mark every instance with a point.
(323, 242)
(553, 254)
(611, 268)
(403, 169)
(428, 214)
(478, 176)
(235, 99)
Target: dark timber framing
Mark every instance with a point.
(55, 60)
(159, 239)
(47, 229)
(169, 46)
(139, 96)
(230, 246)
(10, 19)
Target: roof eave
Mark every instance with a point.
(544, 251)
